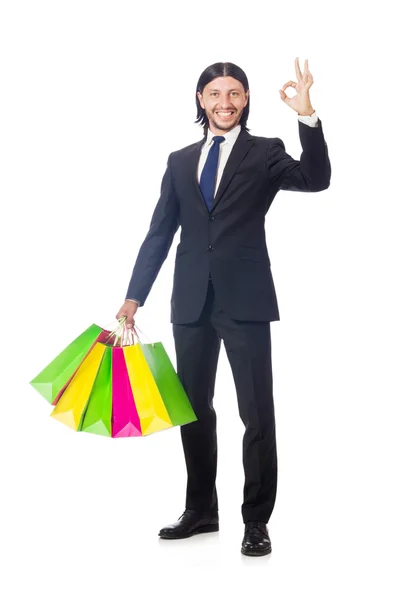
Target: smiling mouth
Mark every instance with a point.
(225, 114)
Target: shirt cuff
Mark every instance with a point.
(310, 120)
(133, 300)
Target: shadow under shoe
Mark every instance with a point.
(191, 522)
(256, 540)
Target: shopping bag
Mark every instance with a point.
(52, 380)
(73, 402)
(153, 415)
(130, 390)
(125, 418)
(98, 415)
(168, 383)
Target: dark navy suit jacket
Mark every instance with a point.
(228, 242)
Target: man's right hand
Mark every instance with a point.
(128, 310)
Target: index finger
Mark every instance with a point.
(297, 68)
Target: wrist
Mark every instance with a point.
(307, 113)
(132, 300)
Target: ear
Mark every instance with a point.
(200, 97)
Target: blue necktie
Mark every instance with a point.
(208, 175)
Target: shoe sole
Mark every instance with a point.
(256, 552)
(204, 529)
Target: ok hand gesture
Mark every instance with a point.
(301, 102)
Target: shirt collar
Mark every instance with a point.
(230, 136)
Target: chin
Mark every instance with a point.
(222, 125)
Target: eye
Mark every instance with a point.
(215, 93)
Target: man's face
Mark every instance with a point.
(223, 95)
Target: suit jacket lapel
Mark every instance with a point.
(240, 149)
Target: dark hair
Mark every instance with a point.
(221, 69)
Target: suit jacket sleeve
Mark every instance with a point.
(155, 247)
(312, 173)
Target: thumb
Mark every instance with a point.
(129, 324)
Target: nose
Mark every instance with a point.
(225, 106)
(224, 102)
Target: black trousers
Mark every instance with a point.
(248, 348)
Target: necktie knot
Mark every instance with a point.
(218, 138)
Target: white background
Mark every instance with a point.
(94, 97)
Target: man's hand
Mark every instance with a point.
(128, 310)
(301, 102)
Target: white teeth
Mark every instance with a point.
(225, 114)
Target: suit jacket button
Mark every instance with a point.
(210, 248)
(212, 218)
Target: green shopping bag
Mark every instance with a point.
(169, 385)
(98, 415)
(53, 378)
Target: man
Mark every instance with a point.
(219, 191)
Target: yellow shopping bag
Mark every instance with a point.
(150, 407)
(71, 406)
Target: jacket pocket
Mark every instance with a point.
(181, 250)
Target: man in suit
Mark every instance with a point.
(219, 191)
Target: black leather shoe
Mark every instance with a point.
(190, 523)
(256, 540)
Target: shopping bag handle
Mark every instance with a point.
(122, 333)
(135, 327)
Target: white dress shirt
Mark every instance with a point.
(225, 149)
